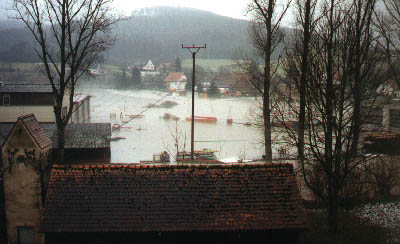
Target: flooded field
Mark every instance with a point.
(154, 134)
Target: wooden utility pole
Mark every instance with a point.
(193, 50)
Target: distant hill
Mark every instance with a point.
(151, 33)
(159, 32)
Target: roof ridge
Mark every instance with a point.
(167, 166)
(26, 116)
(35, 130)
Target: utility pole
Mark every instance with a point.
(193, 50)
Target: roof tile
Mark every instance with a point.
(175, 77)
(132, 198)
(35, 130)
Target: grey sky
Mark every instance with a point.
(231, 8)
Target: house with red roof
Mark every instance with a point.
(25, 167)
(125, 203)
(176, 81)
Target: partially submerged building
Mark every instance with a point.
(18, 99)
(176, 81)
(235, 83)
(81, 110)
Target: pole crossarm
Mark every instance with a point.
(193, 50)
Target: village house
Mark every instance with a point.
(149, 70)
(176, 81)
(25, 168)
(149, 66)
(127, 203)
(17, 99)
(234, 83)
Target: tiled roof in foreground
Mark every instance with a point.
(138, 198)
(35, 130)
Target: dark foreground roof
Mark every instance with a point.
(130, 198)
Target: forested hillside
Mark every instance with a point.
(152, 33)
(158, 33)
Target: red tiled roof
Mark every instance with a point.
(132, 198)
(35, 130)
(175, 77)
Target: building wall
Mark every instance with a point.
(42, 113)
(177, 86)
(387, 119)
(82, 112)
(26, 98)
(22, 186)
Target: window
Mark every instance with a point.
(25, 235)
(6, 99)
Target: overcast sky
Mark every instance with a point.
(231, 8)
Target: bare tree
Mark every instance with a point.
(388, 23)
(179, 138)
(266, 35)
(343, 64)
(305, 15)
(70, 35)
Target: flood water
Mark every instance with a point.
(153, 134)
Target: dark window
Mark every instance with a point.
(6, 99)
(26, 235)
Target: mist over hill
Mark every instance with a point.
(151, 33)
(159, 32)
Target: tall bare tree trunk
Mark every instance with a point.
(303, 79)
(267, 83)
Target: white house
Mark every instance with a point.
(149, 66)
(176, 81)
